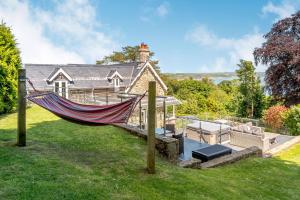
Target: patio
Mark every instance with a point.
(200, 134)
(189, 146)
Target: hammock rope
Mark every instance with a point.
(81, 113)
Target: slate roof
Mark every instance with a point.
(83, 75)
(53, 72)
(109, 75)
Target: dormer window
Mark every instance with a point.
(60, 80)
(115, 78)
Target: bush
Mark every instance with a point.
(292, 120)
(274, 116)
(10, 62)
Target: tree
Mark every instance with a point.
(231, 87)
(274, 116)
(10, 62)
(281, 52)
(217, 101)
(252, 97)
(198, 96)
(128, 54)
(227, 86)
(291, 120)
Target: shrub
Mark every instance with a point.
(10, 62)
(292, 120)
(274, 116)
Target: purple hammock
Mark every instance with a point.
(85, 114)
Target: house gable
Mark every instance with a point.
(56, 73)
(114, 74)
(140, 82)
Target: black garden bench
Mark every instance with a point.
(211, 152)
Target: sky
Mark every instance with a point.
(186, 36)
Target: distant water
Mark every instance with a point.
(217, 80)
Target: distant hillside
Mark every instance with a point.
(215, 77)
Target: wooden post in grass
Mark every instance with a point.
(151, 127)
(21, 139)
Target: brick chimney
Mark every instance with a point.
(144, 53)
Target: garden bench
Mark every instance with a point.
(211, 152)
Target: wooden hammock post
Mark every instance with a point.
(21, 139)
(151, 127)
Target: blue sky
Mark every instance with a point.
(186, 36)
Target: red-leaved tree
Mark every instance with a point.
(273, 116)
(281, 52)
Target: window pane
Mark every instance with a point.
(63, 89)
(56, 89)
(116, 82)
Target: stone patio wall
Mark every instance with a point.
(166, 146)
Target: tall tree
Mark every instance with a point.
(10, 62)
(252, 96)
(281, 52)
(128, 54)
(231, 87)
(227, 86)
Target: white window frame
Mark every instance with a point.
(144, 116)
(116, 82)
(60, 88)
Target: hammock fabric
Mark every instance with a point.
(85, 114)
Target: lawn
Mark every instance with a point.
(70, 161)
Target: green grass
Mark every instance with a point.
(70, 161)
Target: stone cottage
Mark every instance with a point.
(103, 84)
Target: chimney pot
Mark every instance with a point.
(144, 52)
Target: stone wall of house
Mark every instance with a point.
(140, 87)
(135, 117)
(142, 84)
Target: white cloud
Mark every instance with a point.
(163, 9)
(232, 49)
(201, 35)
(67, 34)
(150, 12)
(219, 65)
(282, 10)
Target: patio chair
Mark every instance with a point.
(180, 138)
(171, 128)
